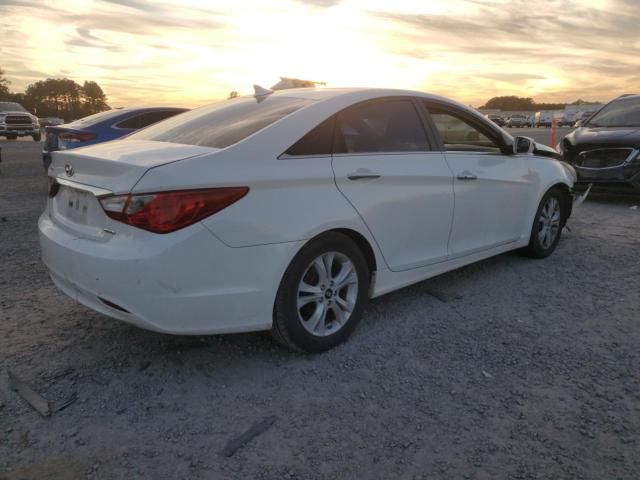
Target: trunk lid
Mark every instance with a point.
(86, 173)
(118, 165)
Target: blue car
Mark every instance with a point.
(102, 127)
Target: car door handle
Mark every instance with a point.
(362, 174)
(467, 176)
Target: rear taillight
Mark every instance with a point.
(166, 212)
(77, 137)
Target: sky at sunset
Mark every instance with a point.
(192, 52)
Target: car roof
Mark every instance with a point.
(349, 96)
(326, 93)
(140, 109)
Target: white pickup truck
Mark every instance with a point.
(16, 121)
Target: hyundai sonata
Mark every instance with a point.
(289, 210)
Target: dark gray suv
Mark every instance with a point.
(605, 150)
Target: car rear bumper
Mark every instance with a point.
(188, 282)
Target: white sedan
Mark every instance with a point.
(288, 211)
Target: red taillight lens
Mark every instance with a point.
(166, 212)
(77, 137)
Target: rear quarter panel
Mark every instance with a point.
(289, 200)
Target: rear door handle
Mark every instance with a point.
(362, 174)
(467, 176)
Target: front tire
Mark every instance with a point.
(37, 137)
(548, 224)
(322, 295)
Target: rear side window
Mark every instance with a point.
(318, 142)
(145, 119)
(96, 118)
(224, 123)
(387, 126)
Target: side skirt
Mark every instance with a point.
(388, 281)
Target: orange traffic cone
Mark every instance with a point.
(552, 139)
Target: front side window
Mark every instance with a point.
(223, 123)
(620, 113)
(458, 134)
(387, 126)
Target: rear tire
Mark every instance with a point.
(322, 295)
(547, 225)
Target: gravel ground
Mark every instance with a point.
(509, 368)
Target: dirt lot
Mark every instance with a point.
(510, 368)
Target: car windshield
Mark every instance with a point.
(97, 117)
(223, 123)
(11, 107)
(619, 113)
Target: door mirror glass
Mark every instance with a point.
(523, 145)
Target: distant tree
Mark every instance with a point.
(584, 102)
(550, 106)
(55, 97)
(63, 97)
(93, 98)
(4, 86)
(510, 103)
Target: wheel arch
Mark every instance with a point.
(364, 246)
(568, 199)
(362, 242)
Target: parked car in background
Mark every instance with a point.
(517, 121)
(102, 127)
(16, 121)
(51, 121)
(544, 118)
(289, 210)
(497, 119)
(605, 150)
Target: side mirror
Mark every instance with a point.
(523, 145)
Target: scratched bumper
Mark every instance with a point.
(184, 283)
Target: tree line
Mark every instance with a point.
(513, 103)
(57, 97)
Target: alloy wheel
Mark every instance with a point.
(549, 223)
(327, 294)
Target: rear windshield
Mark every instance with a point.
(619, 113)
(11, 107)
(223, 123)
(97, 117)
